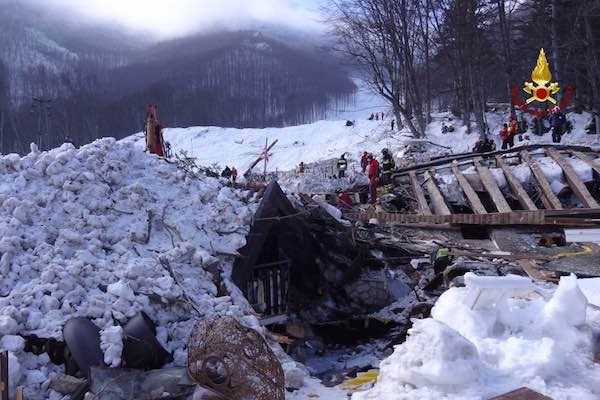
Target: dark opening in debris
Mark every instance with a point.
(475, 232)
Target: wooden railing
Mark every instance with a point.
(267, 290)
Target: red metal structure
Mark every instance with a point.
(155, 143)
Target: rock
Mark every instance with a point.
(65, 384)
(294, 378)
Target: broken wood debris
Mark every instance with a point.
(581, 217)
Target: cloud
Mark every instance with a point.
(169, 18)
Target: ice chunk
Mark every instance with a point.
(568, 305)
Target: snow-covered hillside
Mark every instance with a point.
(326, 140)
(106, 231)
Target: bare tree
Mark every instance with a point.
(381, 36)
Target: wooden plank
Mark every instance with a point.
(516, 186)
(587, 159)
(573, 179)
(419, 194)
(522, 394)
(436, 197)
(466, 187)
(551, 202)
(491, 186)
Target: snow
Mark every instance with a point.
(74, 242)
(111, 343)
(535, 336)
(591, 289)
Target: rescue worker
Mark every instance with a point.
(478, 148)
(342, 166)
(234, 175)
(169, 152)
(507, 139)
(301, 167)
(344, 201)
(441, 259)
(393, 123)
(557, 122)
(388, 165)
(226, 173)
(489, 145)
(372, 117)
(373, 177)
(364, 161)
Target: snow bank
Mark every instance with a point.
(528, 336)
(74, 242)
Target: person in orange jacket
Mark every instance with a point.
(373, 177)
(507, 138)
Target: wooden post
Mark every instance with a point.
(19, 393)
(575, 183)
(4, 375)
(551, 202)
(516, 186)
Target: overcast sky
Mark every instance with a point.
(168, 18)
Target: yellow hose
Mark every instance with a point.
(586, 250)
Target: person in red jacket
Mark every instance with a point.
(234, 175)
(373, 177)
(344, 201)
(507, 138)
(364, 161)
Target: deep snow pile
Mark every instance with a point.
(74, 242)
(495, 335)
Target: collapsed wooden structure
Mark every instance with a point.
(488, 204)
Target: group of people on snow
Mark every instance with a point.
(376, 116)
(230, 174)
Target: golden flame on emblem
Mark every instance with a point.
(541, 74)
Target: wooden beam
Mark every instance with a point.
(489, 182)
(466, 187)
(19, 393)
(516, 186)
(530, 267)
(439, 204)
(587, 159)
(539, 217)
(551, 202)
(573, 179)
(419, 194)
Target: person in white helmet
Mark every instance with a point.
(557, 122)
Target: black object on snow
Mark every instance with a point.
(82, 337)
(141, 350)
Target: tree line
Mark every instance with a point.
(466, 54)
(234, 79)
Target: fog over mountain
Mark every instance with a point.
(67, 73)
